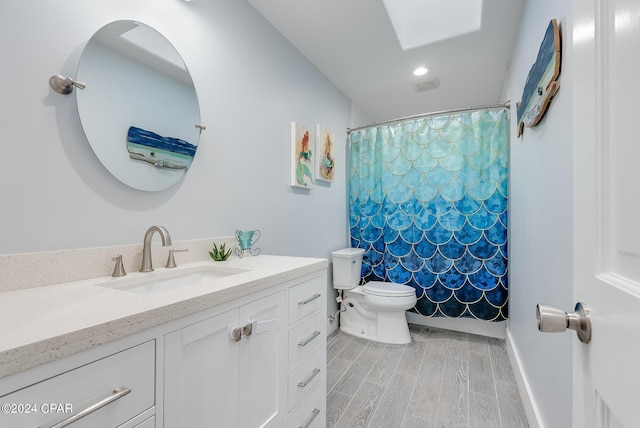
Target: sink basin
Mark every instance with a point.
(165, 280)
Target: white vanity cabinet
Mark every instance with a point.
(236, 381)
(273, 376)
(251, 354)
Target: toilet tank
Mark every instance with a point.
(347, 266)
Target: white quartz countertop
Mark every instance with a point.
(44, 323)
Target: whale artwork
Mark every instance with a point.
(542, 81)
(162, 152)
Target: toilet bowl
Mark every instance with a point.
(375, 310)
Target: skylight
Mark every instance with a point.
(421, 22)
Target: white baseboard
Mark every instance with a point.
(526, 395)
(465, 325)
(332, 325)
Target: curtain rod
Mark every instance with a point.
(436, 113)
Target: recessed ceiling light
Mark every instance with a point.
(420, 71)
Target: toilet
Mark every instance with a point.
(375, 310)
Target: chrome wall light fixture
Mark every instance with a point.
(64, 85)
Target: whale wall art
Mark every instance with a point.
(162, 152)
(542, 82)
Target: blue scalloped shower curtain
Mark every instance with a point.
(428, 203)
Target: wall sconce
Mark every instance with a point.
(64, 85)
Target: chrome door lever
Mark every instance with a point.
(553, 320)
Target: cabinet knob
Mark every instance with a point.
(236, 334)
(247, 329)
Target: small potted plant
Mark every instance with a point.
(219, 254)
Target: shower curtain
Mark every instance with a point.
(428, 204)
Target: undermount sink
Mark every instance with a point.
(166, 280)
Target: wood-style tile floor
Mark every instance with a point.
(441, 379)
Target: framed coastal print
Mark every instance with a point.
(302, 148)
(325, 154)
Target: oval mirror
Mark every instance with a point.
(139, 109)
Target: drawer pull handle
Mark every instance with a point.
(309, 339)
(315, 413)
(309, 299)
(309, 379)
(117, 394)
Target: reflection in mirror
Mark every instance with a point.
(139, 110)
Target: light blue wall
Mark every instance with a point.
(251, 84)
(541, 212)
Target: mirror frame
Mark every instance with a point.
(145, 137)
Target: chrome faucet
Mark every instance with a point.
(147, 265)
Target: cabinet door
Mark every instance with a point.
(201, 375)
(263, 367)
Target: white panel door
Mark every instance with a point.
(201, 374)
(263, 364)
(606, 60)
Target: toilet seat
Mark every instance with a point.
(388, 289)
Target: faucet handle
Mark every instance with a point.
(171, 261)
(118, 269)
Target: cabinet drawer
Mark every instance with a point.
(311, 413)
(305, 298)
(149, 423)
(53, 400)
(305, 377)
(306, 337)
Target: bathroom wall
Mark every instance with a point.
(540, 242)
(358, 117)
(251, 84)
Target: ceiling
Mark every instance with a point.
(353, 43)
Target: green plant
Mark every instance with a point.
(219, 254)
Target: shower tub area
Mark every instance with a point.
(428, 204)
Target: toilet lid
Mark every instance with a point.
(388, 289)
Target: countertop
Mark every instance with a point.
(45, 323)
